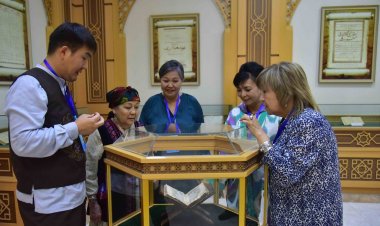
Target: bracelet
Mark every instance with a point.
(265, 146)
(91, 197)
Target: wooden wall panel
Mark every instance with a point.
(259, 31)
(96, 77)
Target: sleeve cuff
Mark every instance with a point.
(72, 130)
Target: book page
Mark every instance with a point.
(195, 194)
(352, 121)
(4, 138)
(174, 193)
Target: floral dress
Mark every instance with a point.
(255, 180)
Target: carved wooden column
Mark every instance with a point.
(259, 31)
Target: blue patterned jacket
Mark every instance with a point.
(304, 174)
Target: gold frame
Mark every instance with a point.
(7, 79)
(348, 44)
(192, 58)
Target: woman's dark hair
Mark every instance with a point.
(169, 66)
(73, 35)
(249, 70)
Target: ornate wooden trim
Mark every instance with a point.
(259, 31)
(96, 81)
(358, 138)
(359, 169)
(225, 10)
(291, 8)
(184, 167)
(5, 165)
(125, 7)
(7, 207)
(49, 11)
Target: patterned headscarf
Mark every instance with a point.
(120, 95)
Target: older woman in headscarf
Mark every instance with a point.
(124, 104)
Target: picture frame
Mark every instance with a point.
(14, 50)
(348, 44)
(175, 37)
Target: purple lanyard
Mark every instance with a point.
(282, 127)
(170, 118)
(68, 97)
(69, 101)
(258, 112)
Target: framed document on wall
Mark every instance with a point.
(348, 44)
(175, 37)
(14, 58)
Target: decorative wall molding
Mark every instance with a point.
(49, 11)
(358, 138)
(6, 169)
(259, 14)
(291, 8)
(225, 10)
(125, 7)
(7, 207)
(359, 169)
(96, 76)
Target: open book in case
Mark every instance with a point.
(196, 195)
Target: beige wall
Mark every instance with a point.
(333, 98)
(211, 43)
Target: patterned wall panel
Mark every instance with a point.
(259, 31)
(96, 74)
(5, 165)
(7, 207)
(358, 138)
(360, 169)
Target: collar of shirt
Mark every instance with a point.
(61, 81)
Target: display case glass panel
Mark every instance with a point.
(185, 177)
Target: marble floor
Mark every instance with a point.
(361, 210)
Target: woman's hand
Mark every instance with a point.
(255, 128)
(95, 211)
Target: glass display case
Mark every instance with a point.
(178, 178)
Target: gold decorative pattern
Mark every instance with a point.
(225, 10)
(362, 169)
(7, 207)
(343, 166)
(5, 165)
(359, 169)
(291, 8)
(96, 81)
(258, 31)
(48, 11)
(125, 7)
(184, 167)
(358, 138)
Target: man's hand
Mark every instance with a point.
(87, 124)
